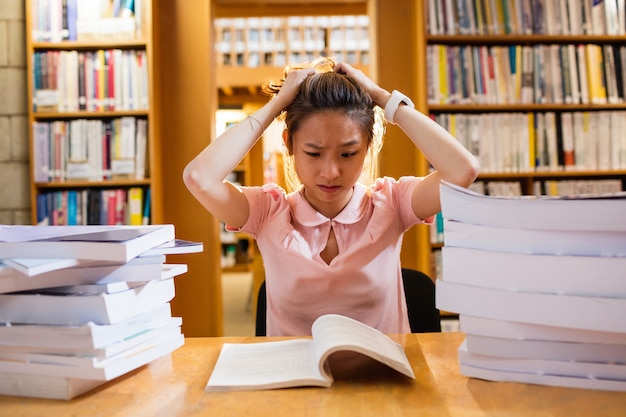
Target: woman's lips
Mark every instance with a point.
(329, 188)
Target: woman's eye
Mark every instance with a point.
(312, 154)
(348, 154)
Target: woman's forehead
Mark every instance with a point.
(324, 130)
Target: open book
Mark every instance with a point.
(303, 362)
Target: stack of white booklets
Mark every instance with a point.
(539, 284)
(82, 305)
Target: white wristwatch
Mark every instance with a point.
(393, 103)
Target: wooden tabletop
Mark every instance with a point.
(174, 386)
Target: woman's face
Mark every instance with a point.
(329, 151)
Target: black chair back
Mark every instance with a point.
(419, 291)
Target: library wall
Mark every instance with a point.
(14, 198)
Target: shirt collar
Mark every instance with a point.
(306, 215)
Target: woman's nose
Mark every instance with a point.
(330, 168)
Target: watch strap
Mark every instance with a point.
(392, 105)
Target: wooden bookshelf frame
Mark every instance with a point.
(153, 159)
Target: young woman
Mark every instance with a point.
(332, 244)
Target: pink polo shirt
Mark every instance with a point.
(363, 281)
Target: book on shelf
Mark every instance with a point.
(561, 17)
(147, 208)
(135, 205)
(102, 80)
(257, 366)
(522, 74)
(595, 74)
(112, 243)
(91, 206)
(141, 151)
(540, 141)
(119, 153)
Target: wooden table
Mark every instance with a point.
(174, 386)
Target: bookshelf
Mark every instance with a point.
(251, 50)
(94, 151)
(538, 95)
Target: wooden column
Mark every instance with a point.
(186, 101)
(398, 68)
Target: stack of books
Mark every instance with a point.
(538, 283)
(82, 305)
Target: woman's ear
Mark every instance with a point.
(286, 142)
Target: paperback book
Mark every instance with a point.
(83, 337)
(47, 381)
(538, 284)
(601, 212)
(303, 362)
(83, 305)
(12, 281)
(56, 308)
(111, 243)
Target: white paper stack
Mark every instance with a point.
(539, 285)
(82, 305)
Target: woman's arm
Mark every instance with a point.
(452, 162)
(205, 176)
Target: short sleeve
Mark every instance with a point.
(400, 191)
(264, 202)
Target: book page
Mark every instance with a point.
(266, 365)
(334, 333)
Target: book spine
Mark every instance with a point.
(71, 20)
(135, 205)
(568, 141)
(72, 207)
(43, 215)
(105, 81)
(82, 98)
(145, 220)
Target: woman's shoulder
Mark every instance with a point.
(389, 184)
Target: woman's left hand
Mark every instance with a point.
(378, 94)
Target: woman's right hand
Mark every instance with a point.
(291, 86)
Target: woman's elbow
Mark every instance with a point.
(473, 169)
(191, 178)
(469, 172)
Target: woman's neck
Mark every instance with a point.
(329, 210)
